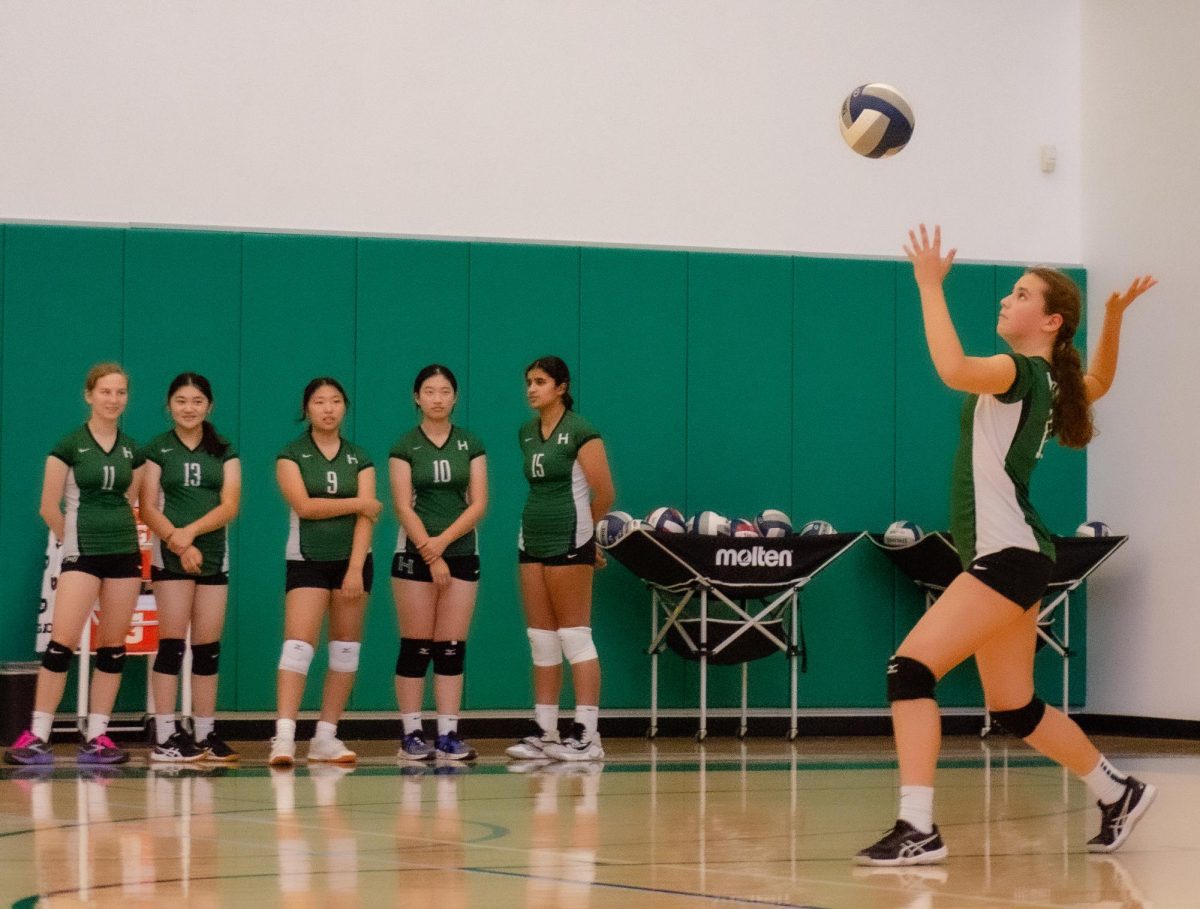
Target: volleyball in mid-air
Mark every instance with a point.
(876, 120)
(902, 533)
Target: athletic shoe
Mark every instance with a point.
(29, 749)
(451, 748)
(178, 749)
(577, 746)
(283, 752)
(413, 747)
(904, 844)
(533, 746)
(1118, 819)
(330, 749)
(215, 749)
(102, 750)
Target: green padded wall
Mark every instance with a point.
(727, 381)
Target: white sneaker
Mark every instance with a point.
(283, 752)
(330, 749)
(576, 746)
(533, 746)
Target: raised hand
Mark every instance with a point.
(929, 268)
(1118, 302)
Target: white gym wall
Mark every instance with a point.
(678, 123)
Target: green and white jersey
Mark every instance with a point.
(557, 515)
(1001, 441)
(98, 518)
(191, 485)
(441, 476)
(329, 539)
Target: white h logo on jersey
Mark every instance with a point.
(462, 445)
(564, 438)
(125, 451)
(350, 459)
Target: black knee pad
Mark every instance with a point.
(415, 654)
(449, 657)
(909, 680)
(170, 656)
(205, 658)
(1022, 721)
(110, 659)
(57, 657)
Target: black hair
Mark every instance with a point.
(210, 441)
(434, 369)
(557, 370)
(311, 389)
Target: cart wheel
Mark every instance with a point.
(701, 735)
(652, 732)
(792, 735)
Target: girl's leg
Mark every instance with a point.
(454, 609)
(416, 604)
(570, 590)
(346, 616)
(304, 608)
(77, 591)
(208, 622)
(540, 620)
(118, 598)
(174, 602)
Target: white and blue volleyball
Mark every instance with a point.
(742, 527)
(773, 523)
(902, 533)
(666, 519)
(1093, 529)
(877, 121)
(817, 529)
(613, 526)
(711, 524)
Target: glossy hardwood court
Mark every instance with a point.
(670, 824)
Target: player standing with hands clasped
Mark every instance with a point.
(1015, 402)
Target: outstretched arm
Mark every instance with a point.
(978, 375)
(1103, 367)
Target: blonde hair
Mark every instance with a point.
(99, 371)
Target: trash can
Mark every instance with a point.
(18, 683)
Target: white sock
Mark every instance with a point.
(916, 807)
(164, 726)
(325, 730)
(285, 729)
(203, 726)
(546, 716)
(589, 716)
(447, 723)
(97, 725)
(41, 725)
(1105, 781)
(412, 722)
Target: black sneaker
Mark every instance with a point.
(179, 748)
(1117, 820)
(216, 749)
(904, 844)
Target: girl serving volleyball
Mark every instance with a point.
(1015, 402)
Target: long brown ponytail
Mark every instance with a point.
(1072, 412)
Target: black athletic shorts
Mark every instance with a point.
(122, 565)
(1020, 575)
(325, 575)
(582, 555)
(220, 579)
(409, 566)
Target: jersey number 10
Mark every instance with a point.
(441, 471)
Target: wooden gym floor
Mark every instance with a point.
(670, 824)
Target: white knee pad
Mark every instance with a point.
(547, 650)
(296, 656)
(343, 656)
(577, 644)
